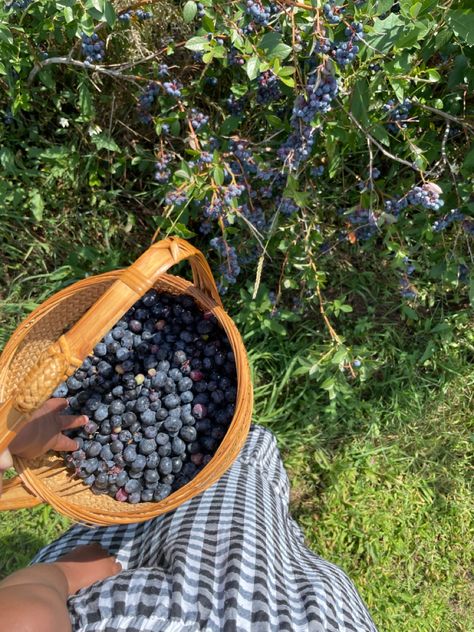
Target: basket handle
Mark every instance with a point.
(63, 357)
(16, 496)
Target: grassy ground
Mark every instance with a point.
(383, 488)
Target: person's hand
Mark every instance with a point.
(44, 431)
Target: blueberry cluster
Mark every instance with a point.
(139, 15)
(333, 12)
(234, 57)
(320, 91)
(363, 223)
(146, 100)
(443, 222)
(162, 173)
(18, 5)
(395, 206)
(317, 171)
(175, 198)
(93, 48)
(397, 115)
(268, 88)
(172, 88)
(427, 196)
(344, 53)
(259, 13)
(198, 119)
(287, 206)
(200, 10)
(159, 391)
(367, 185)
(407, 290)
(236, 105)
(220, 202)
(230, 268)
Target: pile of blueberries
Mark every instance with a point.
(159, 391)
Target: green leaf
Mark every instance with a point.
(471, 292)
(5, 34)
(218, 175)
(230, 124)
(386, 33)
(415, 9)
(197, 43)
(360, 101)
(410, 313)
(462, 23)
(433, 75)
(37, 205)
(109, 14)
(104, 141)
(85, 101)
(189, 11)
(271, 43)
(252, 67)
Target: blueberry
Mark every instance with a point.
(150, 432)
(187, 397)
(168, 479)
(101, 480)
(89, 480)
(178, 446)
(61, 390)
(185, 384)
(132, 486)
(164, 450)
(175, 374)
(171, 401)
(128, 419)
(130, 454)
(165, 467)
(161, 438)
(118, 333)
(141, 404)
(188, 433)
(119, 460)
(173, 424)
(139, 464)
(147, 495)
(152, 460)
(122, 478)
(125, 436)
(91, 465)
(161, 492)
(176, 464)
(116, 407)
(116, 446)
(90, 427)
(147, 446)
(101, 413)
(73, 384)
(169, 386)
(148, 417)
(164, 366)
(159, 380)
(94, 449)
(93, 403)
(134, 498)
(151, 476)
(161, 414)
(208, 444)
(105, 427)
(135, 326)
(100, 349)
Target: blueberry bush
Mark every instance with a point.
(320, 153)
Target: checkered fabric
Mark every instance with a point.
(229, 560)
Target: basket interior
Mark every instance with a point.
(47, 475)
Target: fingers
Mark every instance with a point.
(72, 421)
(62, 443)
(5, 460)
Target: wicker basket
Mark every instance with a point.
(53, 341)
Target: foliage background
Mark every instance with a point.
(357, 319)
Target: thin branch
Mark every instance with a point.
(449, 117)
(82, 64)
(369, 136)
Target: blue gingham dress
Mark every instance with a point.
(229, 560)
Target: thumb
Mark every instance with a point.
(5, 460)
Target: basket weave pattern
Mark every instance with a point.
(52, 342)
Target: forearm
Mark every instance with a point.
(34, 600)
